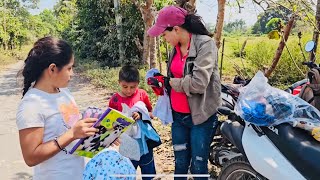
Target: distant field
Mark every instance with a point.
(258, 52)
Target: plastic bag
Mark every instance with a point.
(162, 109)
(133, 130)
(263, 105)
(129, 147)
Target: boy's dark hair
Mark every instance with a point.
(45, 51)
(129, 73)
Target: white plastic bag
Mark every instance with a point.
(129, 147)
(163, 110)
(133, 130)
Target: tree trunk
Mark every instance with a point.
(148, 13)
(167, 51)
(192, 2)
(159, 54)
(189, 5)
(5, 37)
(119, 30)
(219, 24)
(242, 48)
(4, 41)
(139, 46)
(146, 49)
(153, 52)
(316, 32)
(277, 56)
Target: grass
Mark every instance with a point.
(259, 53)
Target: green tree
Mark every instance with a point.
(14, 19)
(274, 24)
(65, 12)
(238, 26)
(261, 25)
(49, 21)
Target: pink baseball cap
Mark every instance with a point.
(168, 16)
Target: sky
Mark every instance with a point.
(206, 8)
(44, 4)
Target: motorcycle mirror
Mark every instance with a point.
(309, 46)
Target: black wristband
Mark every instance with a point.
(62, 149)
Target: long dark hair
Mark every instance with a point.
(45, 51)
(193, 24)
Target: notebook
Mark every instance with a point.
(111, 125)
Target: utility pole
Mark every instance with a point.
(5, 26)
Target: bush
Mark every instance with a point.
(108, 77)
(260, 55)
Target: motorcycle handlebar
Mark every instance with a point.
(297, 84)
(310, 64)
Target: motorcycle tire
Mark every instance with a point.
(241, 167)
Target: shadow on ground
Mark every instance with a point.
(22, 176)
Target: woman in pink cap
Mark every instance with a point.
(194, 86)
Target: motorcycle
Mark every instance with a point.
(279, 152)
(255, 152)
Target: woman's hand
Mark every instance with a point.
(83, 128)
(116, 142)
(136, 116)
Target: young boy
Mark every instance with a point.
(130, 94)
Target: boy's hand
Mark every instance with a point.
(136, 116)
(151, 115)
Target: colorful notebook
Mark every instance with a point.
(111, 125)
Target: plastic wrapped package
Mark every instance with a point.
(263, 105)
(162, 109)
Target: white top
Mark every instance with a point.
(55, 113)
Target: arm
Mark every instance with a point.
(34, 151)
(198, 80)
(148, 105)
(146, 100)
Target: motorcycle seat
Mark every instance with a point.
(299, 147)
